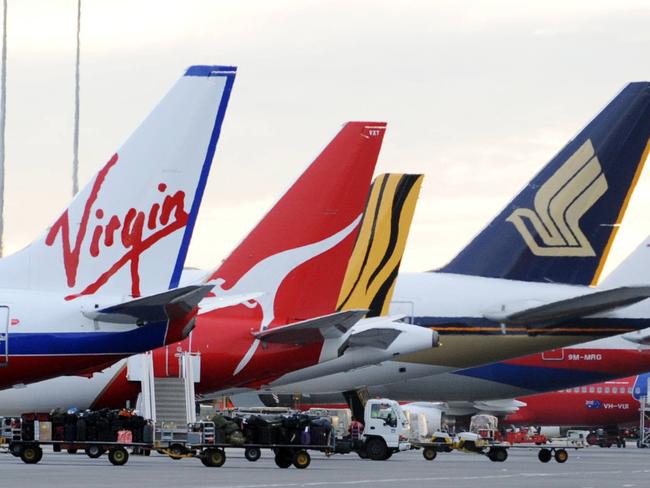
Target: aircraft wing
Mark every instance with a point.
(312, 330)
(581, 306)
(160, 307)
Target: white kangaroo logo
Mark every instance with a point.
(268, 275)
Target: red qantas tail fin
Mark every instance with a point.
(298, 254)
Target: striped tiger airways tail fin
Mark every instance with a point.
(372, 270)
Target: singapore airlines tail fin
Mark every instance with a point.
(297, 254)
(561, 226)
(127, 232)
(372, 271)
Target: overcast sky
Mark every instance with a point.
(478, 96)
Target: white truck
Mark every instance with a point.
(383, 431)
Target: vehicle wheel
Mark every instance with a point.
(376, 449)
(592, 439)
(72, 450)
(283, 458)
(363, 453)
(16, 449)
(497, 454)
(31, 454)
(388, 455)
(252, 453)
(94, 452)
(301, 459)
(544, 455)
(176, 451)
(213, 458)
(561, 456)
(429, 453)
(623, 443)
(118, 456)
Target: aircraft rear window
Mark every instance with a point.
(615, 390)
(607, 389)
(599, 389)
(584, 389)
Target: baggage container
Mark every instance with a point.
(45, 431)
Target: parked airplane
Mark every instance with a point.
(587, 184)
(102, 282)
(613, 403)
(300, 269)
(503, 296)
(487, 387)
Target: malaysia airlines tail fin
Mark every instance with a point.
(298, 253)
(374, 264)
(127, 232)
(561, 226)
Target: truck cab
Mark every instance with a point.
(386, 429)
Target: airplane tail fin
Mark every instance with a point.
(372, 271)
(561, 226)
(298, 253)
(127, 232)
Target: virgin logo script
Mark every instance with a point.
(129, 229)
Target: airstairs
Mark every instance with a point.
(169, 399)
(644, 421)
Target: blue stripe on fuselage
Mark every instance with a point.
(132, 341)
(535, 378)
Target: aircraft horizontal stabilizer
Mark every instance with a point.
(640, 337)
(313, 330)
(499, 407)
(581, 306)
(211, 303)
(160, 307)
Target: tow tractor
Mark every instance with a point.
(484, 438)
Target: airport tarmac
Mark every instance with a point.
(593, 467)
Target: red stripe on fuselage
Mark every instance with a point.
(615, 362)
(29, 369)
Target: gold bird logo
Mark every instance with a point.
(560, 203)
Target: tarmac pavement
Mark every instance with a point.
(587, 468)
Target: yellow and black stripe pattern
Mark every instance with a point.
(372, 270)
